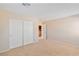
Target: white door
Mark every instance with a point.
(28, 32)
(44, 32)
(15, 33)
(20, 33)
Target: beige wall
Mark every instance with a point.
(5, 16)
(65, 29)
(3, 30)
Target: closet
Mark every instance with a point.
(20, 33)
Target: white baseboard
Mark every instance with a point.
(4, 50)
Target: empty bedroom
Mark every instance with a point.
(39, 29)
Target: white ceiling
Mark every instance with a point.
(43, 10)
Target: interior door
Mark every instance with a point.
(28, 32)
(20, 33)
(15, 33)
(45, 32)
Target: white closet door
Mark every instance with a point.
(19, 32)
(15, 32)
(28, 32)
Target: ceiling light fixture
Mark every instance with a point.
(26, 4)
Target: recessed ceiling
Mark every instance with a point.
(43, 10)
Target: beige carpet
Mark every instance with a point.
(44, 48)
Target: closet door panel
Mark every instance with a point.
(13, 34)
(19, 33)
(28, 32)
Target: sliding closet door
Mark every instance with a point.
(19, 33)
(15, 33)
(28, 32)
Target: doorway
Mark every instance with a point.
(42, 31)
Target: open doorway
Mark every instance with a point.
(42, 31)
